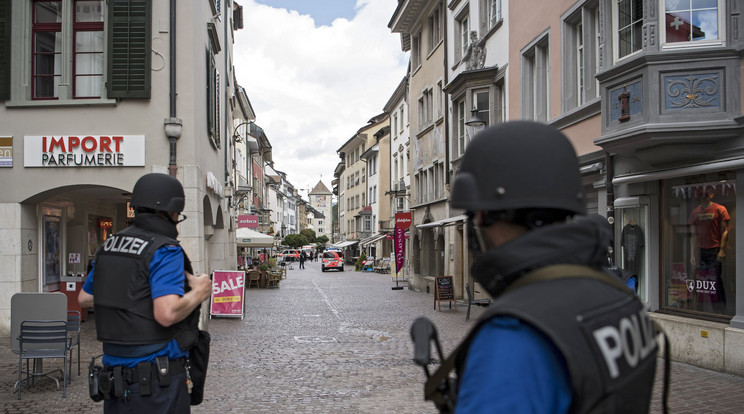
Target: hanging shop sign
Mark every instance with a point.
(84, 151)
(248, 221)
(403, 220)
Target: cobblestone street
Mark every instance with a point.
(330, 343)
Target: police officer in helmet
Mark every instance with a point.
(562, 336)
(146, 302)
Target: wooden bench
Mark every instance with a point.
(382, 266)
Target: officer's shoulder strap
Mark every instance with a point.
(564, 271)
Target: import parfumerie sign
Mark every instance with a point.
(84, 151)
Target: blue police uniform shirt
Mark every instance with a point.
(513, 368)
(166, 278)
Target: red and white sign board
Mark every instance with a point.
(249, 221)
(227, 293)
(84, 151)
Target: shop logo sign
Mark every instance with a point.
(703, 286)
(84, 151)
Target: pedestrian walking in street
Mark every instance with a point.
(146, 302)
(562, 335)
(302, 259)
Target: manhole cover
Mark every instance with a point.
(315, 339)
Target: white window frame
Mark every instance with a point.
(579, 62)
(720, 41)
(462, 31)
(494, 13)
(435, 28)
(440, 100)
(536, 80)
(402, 122)
(400, 204)
(64, 85)
(429, 106)
(616, 33)
(461, 114)
(484, 114)
(416, 50)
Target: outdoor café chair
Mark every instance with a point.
(38, 340)
(73, 340)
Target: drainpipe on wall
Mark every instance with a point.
(173, 125)
(446, 108)
(229, 141)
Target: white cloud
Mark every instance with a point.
(313, 87)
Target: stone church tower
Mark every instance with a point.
(321, 200)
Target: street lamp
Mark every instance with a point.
(475, 124)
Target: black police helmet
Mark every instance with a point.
(159, 192)
(519, 165)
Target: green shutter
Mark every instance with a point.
(129, 48)
(4, 50)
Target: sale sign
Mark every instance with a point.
(227, 293)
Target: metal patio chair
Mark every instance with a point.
(40, 339)
(73, 339)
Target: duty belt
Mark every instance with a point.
(143, 374)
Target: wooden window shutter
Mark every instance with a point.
(129, 51)
(211, 102)
(5, 49)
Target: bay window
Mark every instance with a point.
(691, 21)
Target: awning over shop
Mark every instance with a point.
(372, 239)
(347, 243)
(251, 238)
(450, 221)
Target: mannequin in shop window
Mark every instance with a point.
(709, 236)
(632, 242)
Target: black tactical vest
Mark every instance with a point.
(604, 334)
(123, 301)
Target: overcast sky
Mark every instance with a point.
(315, 72)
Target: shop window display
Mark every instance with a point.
(698, 244)
(630, 246)
(52, 245)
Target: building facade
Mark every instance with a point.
(355, 222)
(421, 26)
(670, 81)
(112, 110)
(376, 157)
(399, 160)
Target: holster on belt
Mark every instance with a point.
(118, 381)
(144, 378)
(163, 368)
